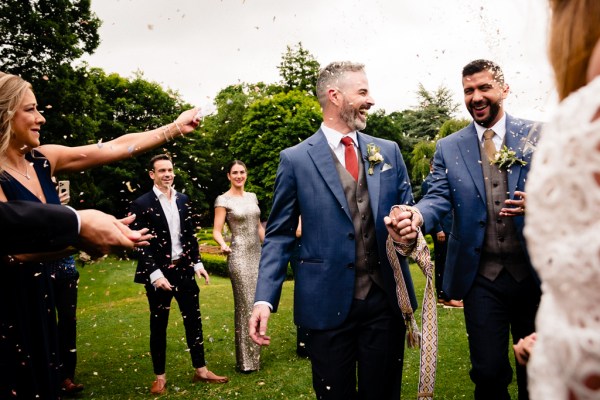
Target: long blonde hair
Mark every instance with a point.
(12, 91)
(574, 31)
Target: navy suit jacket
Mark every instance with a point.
(458, 185)
(149, 214)
(308, 184)
(29, 227)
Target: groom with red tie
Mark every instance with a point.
(342, 182)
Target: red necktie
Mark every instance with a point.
(350, 157)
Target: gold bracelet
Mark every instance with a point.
(178, 128)
(164, 132)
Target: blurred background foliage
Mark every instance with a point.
(253, 122)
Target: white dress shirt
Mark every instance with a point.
(171, 212)
(334, 139)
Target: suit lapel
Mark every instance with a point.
(515, 140)
(320, 153)
(468, 147)
(373, 181)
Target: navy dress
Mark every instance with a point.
(29, 360)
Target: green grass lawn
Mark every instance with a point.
(114, 358)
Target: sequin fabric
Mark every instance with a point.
(242, 219)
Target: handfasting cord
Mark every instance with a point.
(428, 338)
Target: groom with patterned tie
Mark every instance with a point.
(479, 172)
(342, 182)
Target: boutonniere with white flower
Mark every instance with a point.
(374, 157)
(506, 158)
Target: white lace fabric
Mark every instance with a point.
(562, 229)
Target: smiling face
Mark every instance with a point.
(355, 100)
(483, 97)
(162, 174)
(26, 124)
(237, 175)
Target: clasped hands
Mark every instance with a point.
(403, 226)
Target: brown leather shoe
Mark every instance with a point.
(159, 386)
(69, 387)
(210, 378)
(454, 304)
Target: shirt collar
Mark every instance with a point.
(160, 194)
(499, 128)
(334, 137)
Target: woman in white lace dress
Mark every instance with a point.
(563, 213)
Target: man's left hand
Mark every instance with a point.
(515, 208)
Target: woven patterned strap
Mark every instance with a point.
(429, 335)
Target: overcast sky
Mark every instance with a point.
(198, 47)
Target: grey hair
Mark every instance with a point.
(330, 75)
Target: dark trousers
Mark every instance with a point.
(187, 295)
(65, 297)
(440, 248)
(369, 344)
(493, 309)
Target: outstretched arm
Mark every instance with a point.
(74, 159)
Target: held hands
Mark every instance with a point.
(514, 208)
(403, 226)
(225, 249)
(257, 325)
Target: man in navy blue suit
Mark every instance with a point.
(487, 264)
(344, 287)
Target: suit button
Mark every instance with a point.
(351, 236)
(350, 266)
(477, 250)
(482, 224)
(359, 200)
(501, 239)
(497, 203)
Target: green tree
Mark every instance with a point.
(40, 36)
(423, 151)
(86, 106)
(216, 131)
(299, 69)
(433, 110)
(421, 155)
(451, 126)
(271, 125)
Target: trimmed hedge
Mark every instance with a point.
(216, 264)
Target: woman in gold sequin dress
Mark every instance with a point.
(239, 209)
